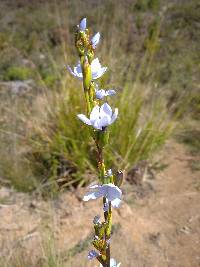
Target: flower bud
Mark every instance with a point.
(96, 219)
(90, 55)
(95, 40)
(109, 177)
(87, 74)
(92, 93)
(99, 244)
(99, 230)
(118, 178)
(109, 172)
(92, 254)
(83, 24)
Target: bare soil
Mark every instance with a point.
(158, 224)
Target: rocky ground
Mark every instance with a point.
(158, 224)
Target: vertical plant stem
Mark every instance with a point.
(85, 46)
(108, 213)
(87, 102)
(108, 220)
(85, 87)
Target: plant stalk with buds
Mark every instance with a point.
(99, 117)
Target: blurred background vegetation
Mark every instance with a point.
(151, 48)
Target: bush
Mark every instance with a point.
(17, 73)
(58, 141)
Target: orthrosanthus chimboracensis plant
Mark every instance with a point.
(99, 116)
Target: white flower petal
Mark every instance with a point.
(95, 40)
(95, 75)
(95, 65)
(70, 70)
(100, 94)
(94, 115)
(106, 110)
(114, 116)
(110, 92)
(109, 172)
(84, 119)
(97, 70)
(92, 195)
(99, 73)
(89, 196)
(116, 203)
(113, 263)
(103, 70)
(94, 186)
(104, 121)
(77, 71)
(96, 124)
(111, 191)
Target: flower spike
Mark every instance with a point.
(89, 69)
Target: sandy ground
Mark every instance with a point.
(158, 224)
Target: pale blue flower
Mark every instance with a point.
(111, 192)
(100, 94)
(96, 68)
(77, 71)
(92, 254)
(100, 117)
(113, 263)
(95, 40)
(83, 25)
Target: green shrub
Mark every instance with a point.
(58, 141)
(17, 73)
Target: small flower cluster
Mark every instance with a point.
(100, 117)
(88, 70)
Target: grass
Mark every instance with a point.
(49, 254)
(150, 67)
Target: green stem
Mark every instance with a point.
(108, 219)
(88, 91)
(85, 87)
(87, 102)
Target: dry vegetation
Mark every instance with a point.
(152, 50)
(144, 43)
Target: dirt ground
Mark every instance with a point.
(158, 224)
